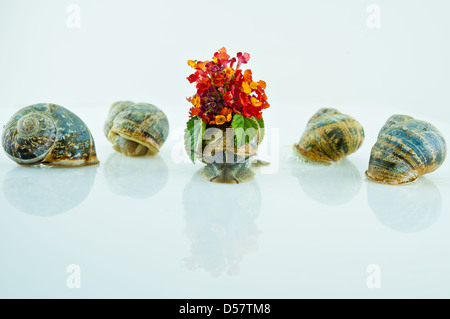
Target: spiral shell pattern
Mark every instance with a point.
(48, 134)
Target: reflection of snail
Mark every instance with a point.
(48, 134)
(226, 163)
(330, 136)
(136, 129)
(231, 173)
(408, 208)
(405, 150)
(332, 185)
(220, 224)
(135, 177)
(48, 191)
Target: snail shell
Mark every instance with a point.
(329, 136)
(219, 146)
(405, 150)
(48, 134)
(227, 163)
(136, 129)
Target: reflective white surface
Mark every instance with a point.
(152, 227)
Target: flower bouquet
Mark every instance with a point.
(226, 124)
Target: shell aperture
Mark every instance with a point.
(136, 129)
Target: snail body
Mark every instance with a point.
(136, 129)
(48, 134)
(406, 149)
(227, 163)
(329, 136)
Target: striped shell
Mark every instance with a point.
(219, 146)
(48, 134)
(329, 136)
(405, 150)
(136, 129)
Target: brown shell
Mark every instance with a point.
(329, 136)
(136, 129)
(222, 148)
(48, 134)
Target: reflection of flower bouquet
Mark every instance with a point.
(227, 101)
(220, 235)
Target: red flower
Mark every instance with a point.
(223, 90)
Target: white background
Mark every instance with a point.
(297, 230)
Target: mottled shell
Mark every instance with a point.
(219, 146)
(48, 134)
(136, 129)
(405, 150)
(329, 136)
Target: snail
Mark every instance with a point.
(136, 129)
(406, 149)
(329, 136)
(228, 173)
(227, 163)
(48, 134)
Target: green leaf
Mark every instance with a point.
(193, 137)
(262, 130)
(245, 129)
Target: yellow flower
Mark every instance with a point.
(220, 119)
(196, 101)
(246, 88)
(255, 102)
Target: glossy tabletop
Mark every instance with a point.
(152, 227)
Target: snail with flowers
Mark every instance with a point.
(226, 124)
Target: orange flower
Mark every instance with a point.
(222, 54)
(248, 75)
(261, 85)
(220, 119)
